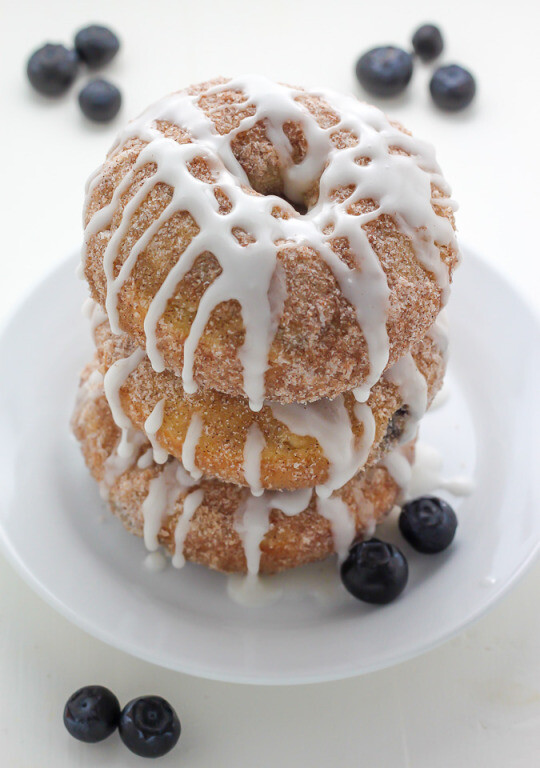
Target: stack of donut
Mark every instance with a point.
(266, 266)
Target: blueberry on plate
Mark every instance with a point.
(375, 572)
(96, 45)
(427, 42)
(452, 87)
(149, 726)
(384, 71)
(52, 69)
(428, 524)
(92, 713)
(100, 100)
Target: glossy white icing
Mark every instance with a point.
(151, 427)
(192, 502)
(329, 423)
(112, 382)
(253, 449)
(190, 445)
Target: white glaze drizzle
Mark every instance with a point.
(189, 446)
(116, 464)
(253, 448)
(192, 502)
(438, 333)
(93, 312)
(329, 423)
(414, 392)
(155, 562)
(253, 519)
(400, 186)
(112, 383)
(341, 522)
(162, 494)
(146, 459)
(151, 426)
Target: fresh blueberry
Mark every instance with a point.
(92, 713)
(428, 523)
(52, 69)
(452, 87)
(149, 726)
(96, 45)
(427, 42)
(100, 100)
(384, 71)
(375, 572)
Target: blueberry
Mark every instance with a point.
(100, 100)
(452, 87)
(428, 523)
(375, 572)
(149, 726)
(384, 71)
(428, 42)
(92, 713)
(52, 69)
(96, 45)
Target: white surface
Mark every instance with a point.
(474, 701)
(86, 566)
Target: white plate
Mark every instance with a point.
(81, 561)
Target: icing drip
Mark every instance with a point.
(400, 185)
(253, 519)
(190, 444)
(146, 459)
(155, 562)
(116, 464)
(253, 449)
(400, 470)
(341, 521)
(329, 423)
(413, 387)
(439, 334)
(159, 502)
(151, 426)
(112, 383)
(192, 502)
(93, 312)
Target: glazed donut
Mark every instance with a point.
(281, 447)
(219, 524)
(269, 242)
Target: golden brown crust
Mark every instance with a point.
(289, 461)
(318, 350)
(212, 539)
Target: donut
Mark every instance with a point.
(221, 525)
(282, 446)
(269, 242)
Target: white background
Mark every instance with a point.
(476, 700)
